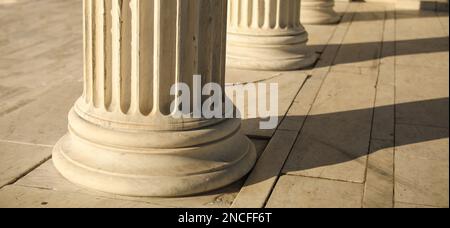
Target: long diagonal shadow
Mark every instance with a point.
(391, 14)
(334, 138)
(359, 52)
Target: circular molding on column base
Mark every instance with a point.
(269, 53)
(272, 65)
(328, 18)
(155, 172)
(319, 12)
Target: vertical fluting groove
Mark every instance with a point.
(85, 50)
(167, 53)
(230, 15)
(188, 37)
(296, 16)
(289, 13)
(261, 13)
(209, 40)
(236, 12)
(297, 19)
(278, 14)
(116, 29)
(89, 51)
(256, 19)
(98, 53)
(94, 52)
(271, 8)
(99, 74)
(244, 15)
(135, 57)
(216, 44)
(222, 61)
(206, 42)
(146, 56)
(196, 15)
(125, 74)
(285, 14)
(266, 23)
(108, 54)
(178, 41)
(156, 52)
(249, 13)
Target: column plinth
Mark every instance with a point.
(267, 35)
(122, 136)
(319, 12)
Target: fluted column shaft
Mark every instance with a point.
(318, 12)
(122, 135)
(267, 35)
(136, 50)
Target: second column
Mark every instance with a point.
(267, 35)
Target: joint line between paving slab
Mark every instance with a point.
(416, 204)
(116, 198)
(324, 178)
(437, 14)
(395, 106)
(380, 56)
(421, 125)
(352, 15)
(308, 77)
(12, 182)
(25, 143)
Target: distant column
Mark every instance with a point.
(122, 137)
(318, 12)
(267, 35)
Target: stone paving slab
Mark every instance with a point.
(262, 179)
(422, 95)
(379, 186)
(47, 178)
(23, 197)
(304, 192)
(335, 139)
(409, 206)
(421, 40)
(359, 52)
(421, 167)
(367, 127)
(289, 85)
(44, 119)
(18, 159)
(443, 18)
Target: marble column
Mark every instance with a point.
(123, 138)
(267, 35)
(318, 12)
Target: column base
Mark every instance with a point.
(272, 53)
(200, 160)
(319, 12)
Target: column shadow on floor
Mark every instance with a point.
(336, 140)
(391, 15)
(359, 52)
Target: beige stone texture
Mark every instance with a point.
(304, 192)
(318, 12)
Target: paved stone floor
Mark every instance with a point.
(366, 127)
